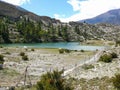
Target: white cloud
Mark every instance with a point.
(75, 4)
(59, 16)
(90, 8)
(17, 2)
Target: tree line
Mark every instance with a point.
(30, 31)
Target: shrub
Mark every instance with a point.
(67, 50)
(7, 53)
(86, 67)
(106, 58)
(32, 49)
(61, 51)
(114, 55)
(64, 51)
(22, 54)
(1, 46)
(75, 50)
(116, 81)
(117, 43)
(1, 59)
(82, 51)
(12, 88)
(53, 81)
(25, 57)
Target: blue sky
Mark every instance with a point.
(67, 10)
(49, 7)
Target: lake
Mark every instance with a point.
(66, 45)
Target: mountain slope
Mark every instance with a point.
(7, 9)
(111, 17)
(15, 12)
(18, 25)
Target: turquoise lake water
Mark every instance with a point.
(66, 45)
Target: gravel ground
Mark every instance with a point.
(100, 69)
(41, 60)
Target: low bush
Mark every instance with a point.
(82, 51)
(61, 51)
(22, 54)
(67, 50)
(64, 51)
(1, 46)
(53, 81)
(116, 81)
(32, 49)
(106, 58)
(1, 59)
(86, 67)
(7, 53)
(75, 50)
(25, 57)
(117, 43)
(114, 55)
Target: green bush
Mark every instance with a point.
(32, 49)
(53, 81)
(75, 50)
(1, 46)
(116, 81)
(25, 57)
(86, 67)
(106, 58)
(114, 55)
(22, 54)
(61, 51)
(117, 43)
(7, 53)
(82, 51)
(64, 51)
(1, 59)
(67, 50)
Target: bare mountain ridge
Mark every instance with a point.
(7, 9)
(15, 12)
(111, 17)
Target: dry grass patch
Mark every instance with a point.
(93, 84)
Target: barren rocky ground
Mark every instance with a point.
(96, 76)
(39, 61)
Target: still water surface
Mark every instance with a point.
(66, 45)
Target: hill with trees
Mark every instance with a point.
(18, 25)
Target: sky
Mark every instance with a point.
(67, 10)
